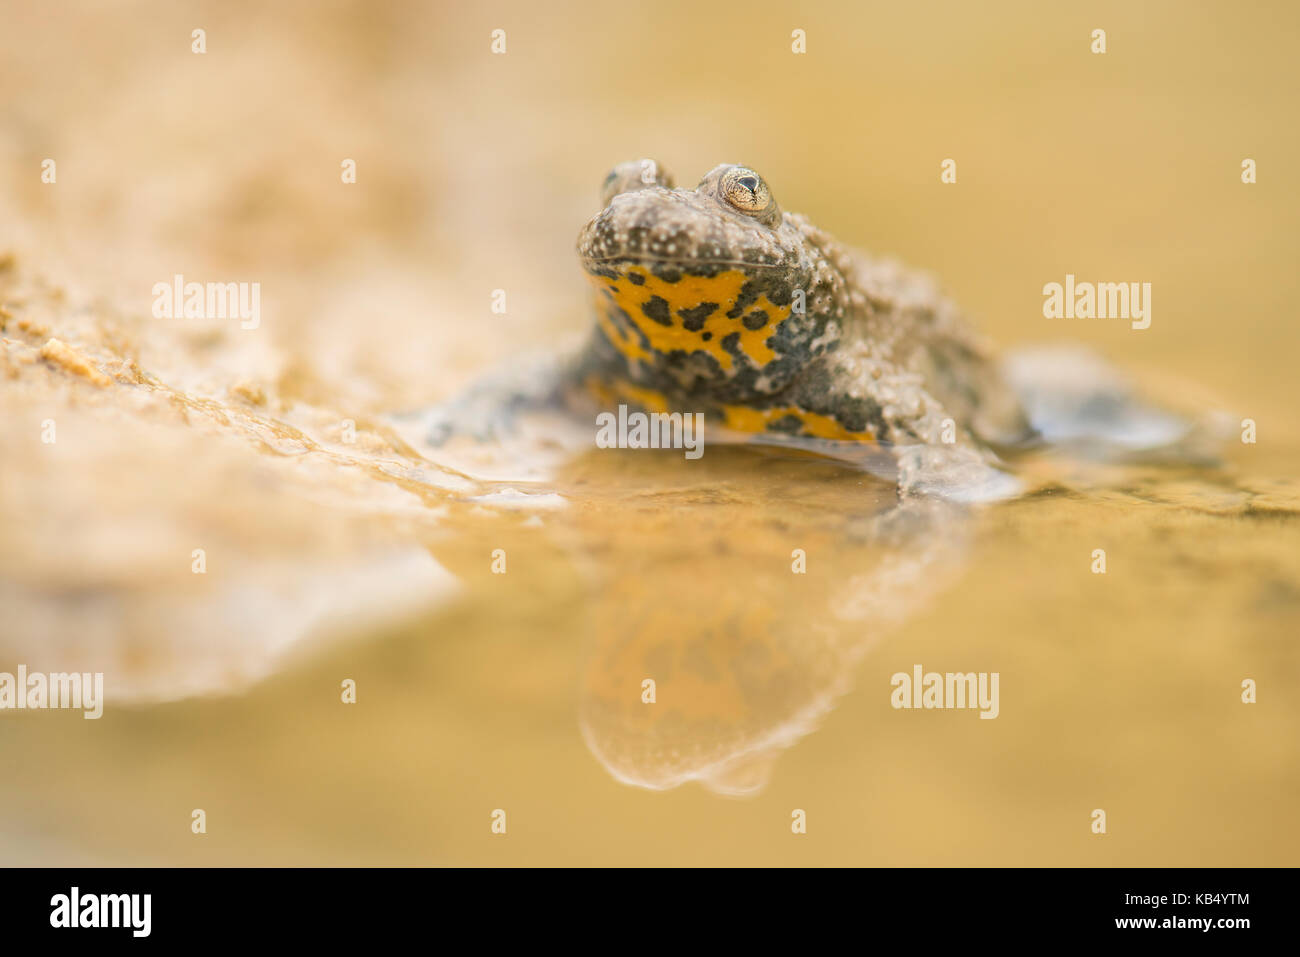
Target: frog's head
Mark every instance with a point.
(711, 290)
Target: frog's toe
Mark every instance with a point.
(956, 473)
(481, 418)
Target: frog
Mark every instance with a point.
(716, 301)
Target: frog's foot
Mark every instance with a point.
(956, 473)
(490, 408)
(1074, 399)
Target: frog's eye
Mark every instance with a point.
(745, 191)
(634, 175)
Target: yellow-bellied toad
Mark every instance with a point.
(715, 300)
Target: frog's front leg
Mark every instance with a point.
(489, 406)
(874, 401)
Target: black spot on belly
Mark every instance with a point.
(636, 278)
(755, 320)
(693, 318)
(774, 283)
(706, 336)
(787, 425)
(657, 309)
(858, 414)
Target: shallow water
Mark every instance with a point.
(372, 559)
(522, 690)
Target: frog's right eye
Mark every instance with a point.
(634, 175)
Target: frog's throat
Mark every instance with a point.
(646, 316)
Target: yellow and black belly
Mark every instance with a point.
(710, 340)
(648, 318)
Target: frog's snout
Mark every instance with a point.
(644, 224)
(624, 226)
(685, 228)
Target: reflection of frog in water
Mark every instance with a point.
(719, 634)
(714, 300)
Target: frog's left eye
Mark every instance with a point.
(634, 175)
(745, 191)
